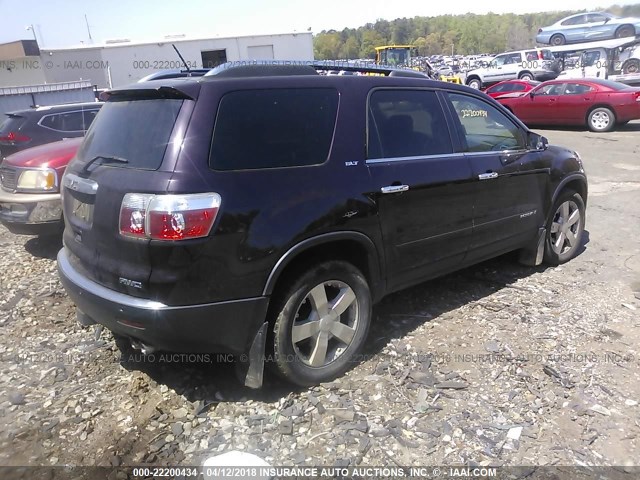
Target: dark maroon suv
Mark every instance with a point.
(262, 210)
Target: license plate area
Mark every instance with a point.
(82, 211)
(79, 209)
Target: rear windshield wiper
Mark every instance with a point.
(105, 159)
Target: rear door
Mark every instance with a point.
(575, 100)
(423, 190)
(509, 183)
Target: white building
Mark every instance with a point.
(119, 62)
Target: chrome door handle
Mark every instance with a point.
(395, 189)
(487, 176)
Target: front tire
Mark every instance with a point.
(526, 76)
(321, 322)
(565, 227)
(601, 119)
(557, 40)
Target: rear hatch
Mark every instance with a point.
(128, 153)
(12, 139)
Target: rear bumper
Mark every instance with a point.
(545, 75)
(31, 213)
(223, 327)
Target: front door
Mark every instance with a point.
(510, 185)
(423, 190)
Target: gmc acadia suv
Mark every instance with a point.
(262, 210)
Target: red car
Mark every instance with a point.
(598, 104)
(510, 86)
(30, 187)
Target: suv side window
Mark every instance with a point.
(485, 128)
(89, 115)
(286, 127)
(64, 122)
(406, 123)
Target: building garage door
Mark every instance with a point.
(260, 52)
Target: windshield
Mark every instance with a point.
(395, 56)
(136, 130)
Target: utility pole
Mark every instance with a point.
(33, 30)
(88, 29)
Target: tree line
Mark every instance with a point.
(461, 34)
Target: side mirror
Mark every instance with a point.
(537, 142)
(531, 94)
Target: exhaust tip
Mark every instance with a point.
(142, 347)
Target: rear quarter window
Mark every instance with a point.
(273, 128)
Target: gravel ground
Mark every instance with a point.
(499, 364)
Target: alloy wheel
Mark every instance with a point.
(565, 227)
(325, 323)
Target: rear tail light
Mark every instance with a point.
(14, 137)
(168, 217)
(637, 95)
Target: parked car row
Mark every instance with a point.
(35, 147)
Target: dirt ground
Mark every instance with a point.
(498, 364)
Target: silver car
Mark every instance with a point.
(532, 64)
(587, 27)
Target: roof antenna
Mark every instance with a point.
(186, 66)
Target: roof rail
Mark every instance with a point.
(256, 68)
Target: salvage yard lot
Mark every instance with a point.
(498, 364)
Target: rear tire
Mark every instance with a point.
(601, 119)
(557, 40)
(321, 323)
(565, 227)
(526, 76)
(626, 31)
(475, 83)
(631, 66)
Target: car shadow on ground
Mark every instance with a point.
(210, 382)
(629, 127)
(44, 246)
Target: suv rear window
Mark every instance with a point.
(136, 130)
(12, 123)
(547, 55)
(274, 128)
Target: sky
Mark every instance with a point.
(61, 23)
